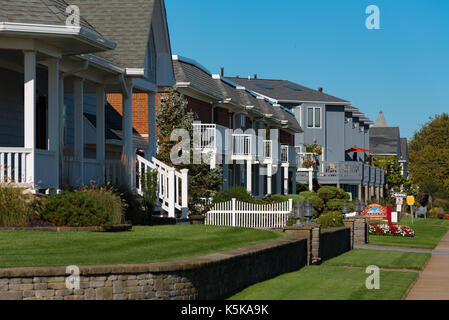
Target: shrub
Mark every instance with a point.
(337, 205)
(328, 193)
(317, 202)
(239, 193)
(134, 212)
(291, 221)
(149, 189)
(442, 203)
(85, 208)
(301, 188)
(15, 207)
(331, 220)
(110, 201)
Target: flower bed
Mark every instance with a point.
(393, 230)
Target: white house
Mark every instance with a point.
(46, 61)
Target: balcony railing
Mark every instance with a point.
(284, 153)
(208, 136)
(242, 145)
(267, 150)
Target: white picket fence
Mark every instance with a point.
(249, 215)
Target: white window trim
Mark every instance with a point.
(307, 117)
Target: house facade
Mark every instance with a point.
(386, 141)
(250, 137)
(338, 130)
(55, 76)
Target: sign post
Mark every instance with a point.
(411, 203)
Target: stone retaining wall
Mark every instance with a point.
(215, 276)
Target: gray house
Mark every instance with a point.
(342, 132)
(386, 141)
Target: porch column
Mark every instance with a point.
(78, 97)
(360, 192)
(61, 131)
(30, 114)
(310, 179)
(249, 176)
(269, 177)
(152, 149)
(128, 152)
(366, 193)
(53, 117)
(101, 143)
(285, 180)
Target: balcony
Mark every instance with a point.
(341, 173)
(288, 155)
(209, 137)
(304, 161)
(267, 151)
(243, 147)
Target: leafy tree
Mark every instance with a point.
(394, 179)
(429, 156)
(203, 182)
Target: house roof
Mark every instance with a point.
(191, 74)
(404, 149)
(47, 19)
(127, 22)
(381, 122)
(49, 12)
(286, 91)
(113, 126)
(385, 141)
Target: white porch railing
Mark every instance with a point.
(208, 136)
(268, 150)
(248, 215)
(13, 166)
(172, 188)
(242, 145)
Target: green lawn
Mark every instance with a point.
(343, 278)
(141, 245)
(382, 259)
(428, 234)
(329, 283)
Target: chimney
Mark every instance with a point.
(222, 71)
(255, 76)
(237, 76)
(320, 89)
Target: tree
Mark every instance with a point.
(429, 156)
(203, 182)
(394, 179)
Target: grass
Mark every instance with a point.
(343, 278)
(329, 283)
(381, 258)
(428, 234)
(139, 246)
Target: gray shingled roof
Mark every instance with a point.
(404, 149)
(49, 12)
(188, 71)
(113, 126)
(127, 22)
(385, 140)
(281, 92)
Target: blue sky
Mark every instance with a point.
(401, 69)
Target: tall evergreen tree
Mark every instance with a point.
(203, 182)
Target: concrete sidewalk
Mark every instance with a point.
(433, 283)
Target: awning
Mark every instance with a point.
(357, 150)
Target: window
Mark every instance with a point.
(293, 88)
(264, 86)
(314, 117)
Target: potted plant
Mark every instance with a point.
(309, 163)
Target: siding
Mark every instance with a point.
(335, 118)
